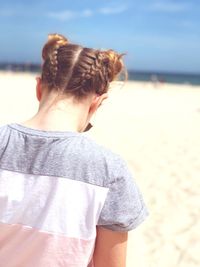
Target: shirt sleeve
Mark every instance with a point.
(124, 208)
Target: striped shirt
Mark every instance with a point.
(55, 189)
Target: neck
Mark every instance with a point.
(63, 115)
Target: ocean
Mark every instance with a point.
(153, 76)
(165, 77)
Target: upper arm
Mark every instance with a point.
(124, 208)
(110, 248)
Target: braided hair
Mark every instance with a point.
(76, 70)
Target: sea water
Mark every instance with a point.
(165, 77)
(156, 76)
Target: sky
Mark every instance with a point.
(156, 35)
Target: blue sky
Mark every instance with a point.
(159, 35)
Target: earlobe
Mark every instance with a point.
(104, 96)
(101, 99)
(93, 107)
(96, 103)
(38, 89)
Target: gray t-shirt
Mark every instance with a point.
(55, 188)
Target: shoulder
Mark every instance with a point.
(105, 162)
(94, 150)
(4, 131)
(3, 127)
(4, 137)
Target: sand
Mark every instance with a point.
(157, 131)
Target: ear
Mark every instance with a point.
(38, 89)
(96, 103)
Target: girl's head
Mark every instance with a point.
(76, 70)
(75, 79)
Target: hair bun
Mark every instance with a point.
(55, 41)
(114, 63)
(58, 38)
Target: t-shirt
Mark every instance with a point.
(55, 189)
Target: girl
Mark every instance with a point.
(64, 200)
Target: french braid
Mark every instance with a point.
(50, 54)
(94, 69)
(76, 70)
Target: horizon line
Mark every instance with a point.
(37, 66)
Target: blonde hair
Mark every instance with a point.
(77, 70)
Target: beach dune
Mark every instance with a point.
(156, 130)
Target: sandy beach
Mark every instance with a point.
(156, 129)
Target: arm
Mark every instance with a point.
(110, 248)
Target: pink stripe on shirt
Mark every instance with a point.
(23, 246)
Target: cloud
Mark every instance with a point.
(7, 12)
(86, 13)
(69, 14)
(186, 24)
(112, 10)
(169, 7)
